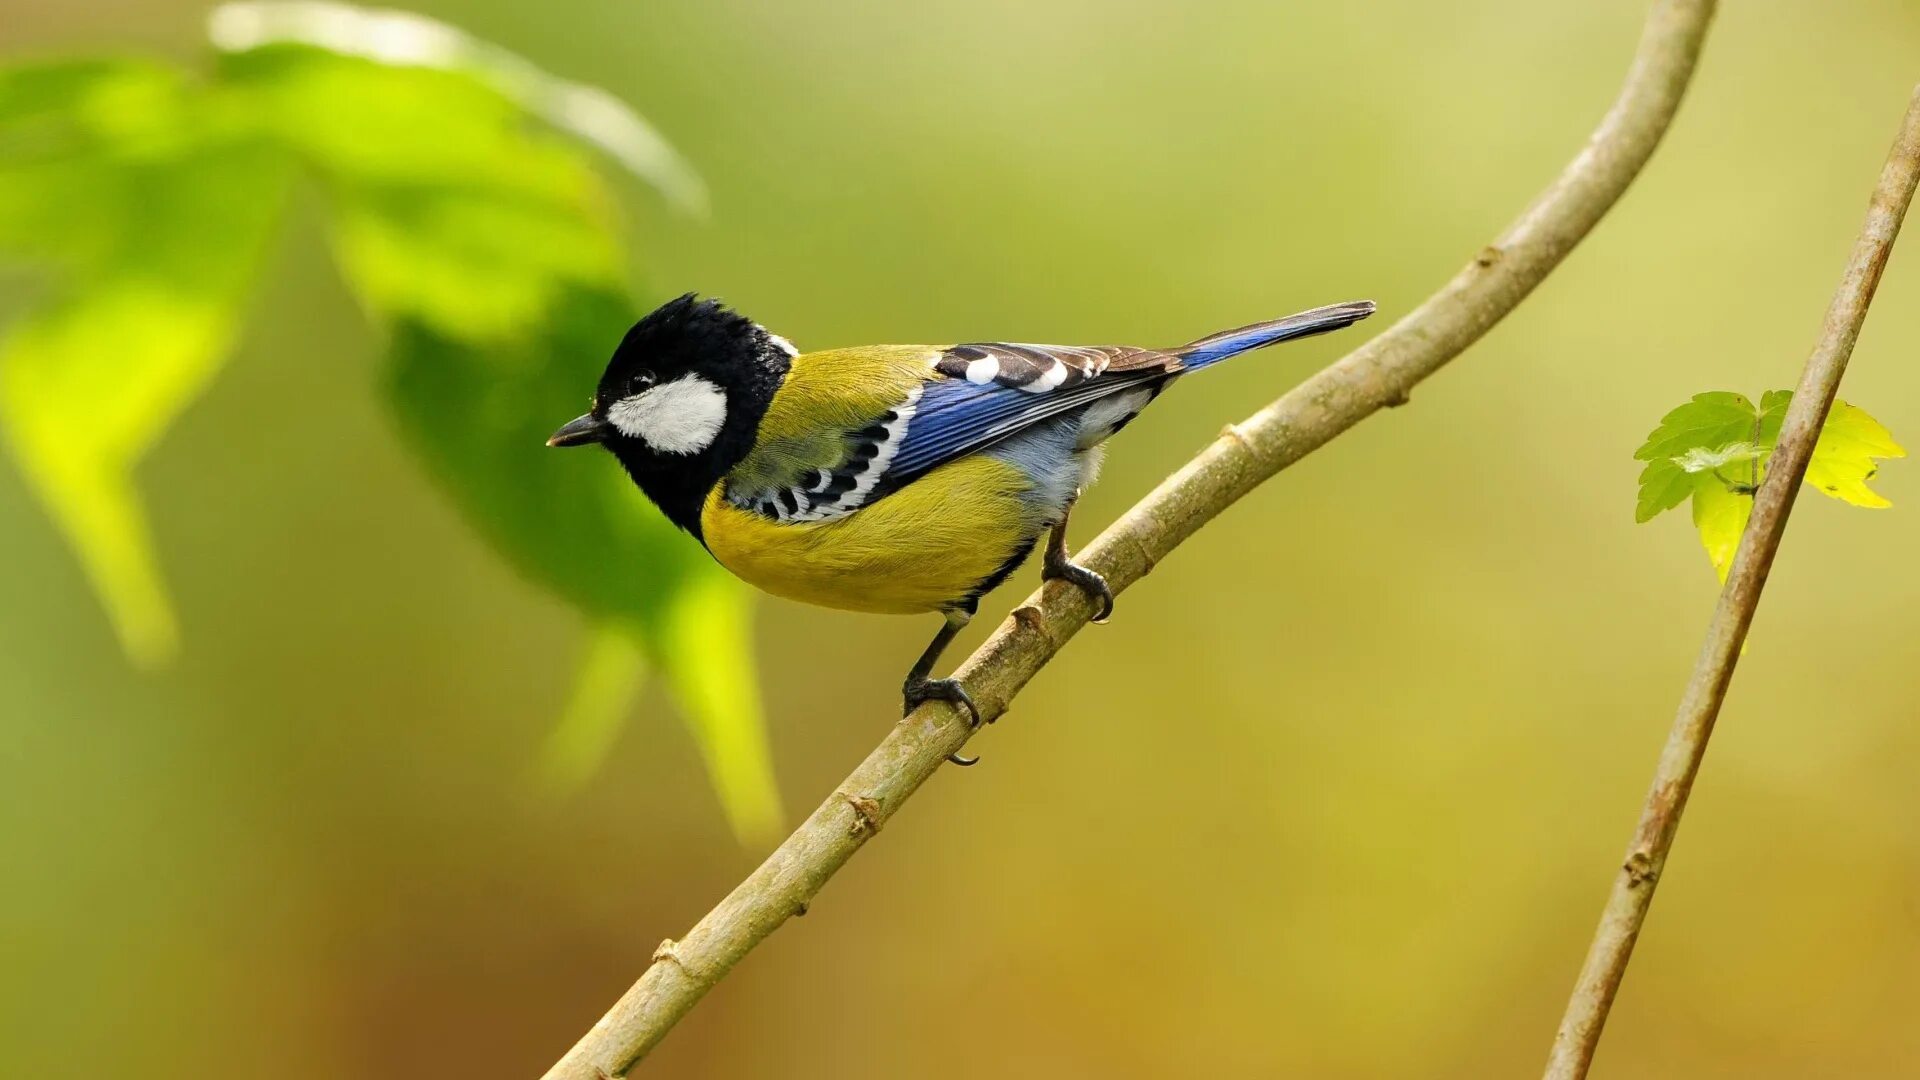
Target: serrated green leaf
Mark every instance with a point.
(1714, 418)
(170, 208)
(1845, 457)
(1709, 421)
(1773, 413)
(1714, 449)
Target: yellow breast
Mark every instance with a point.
(923, 548)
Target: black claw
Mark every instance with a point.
(962, 760)
(1095, 585)
(948, 690)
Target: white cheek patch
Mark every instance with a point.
(680, 417)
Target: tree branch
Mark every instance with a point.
(1626, 909)
(1380, 373)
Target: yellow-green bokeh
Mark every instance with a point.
(1339, 791)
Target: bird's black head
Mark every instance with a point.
(681, 400)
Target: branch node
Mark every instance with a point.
(1639, 869)
(1232, 433)
(1029, 616)
(866, 813)
(668, 951)
(1489, 255)
(1396, 397)
(1147, 561)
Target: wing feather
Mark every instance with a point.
(995, 389)
(918, 408)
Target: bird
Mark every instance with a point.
(897, 479)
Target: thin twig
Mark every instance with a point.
(1633, 887)
(1378, 374)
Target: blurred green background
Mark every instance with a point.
(1337, 794)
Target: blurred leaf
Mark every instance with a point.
(486, 242)
(475, 265)
(612, 671)
(401, 41)
(1715, 447)
(475, 230)
(707, 649)
(153, 211)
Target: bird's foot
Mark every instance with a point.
(917, 691)
(922, 690)
(1096, 586)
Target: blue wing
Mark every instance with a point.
(955, 417)
(994, 389)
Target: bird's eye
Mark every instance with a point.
(639, 382)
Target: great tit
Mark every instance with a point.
(883, 478)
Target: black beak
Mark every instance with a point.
(582, 430)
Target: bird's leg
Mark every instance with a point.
(919, 687)
(1060, 565)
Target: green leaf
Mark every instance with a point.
(475, 230)
(706, 648)
(164, 210)
(1844, 458)
(1714, 449)
(611, 673)
(1710, 421)
(1700, 459)
(402, 42)
(1720, 515)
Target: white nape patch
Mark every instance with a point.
(982, 371)
(784, 345)
(680, 417)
